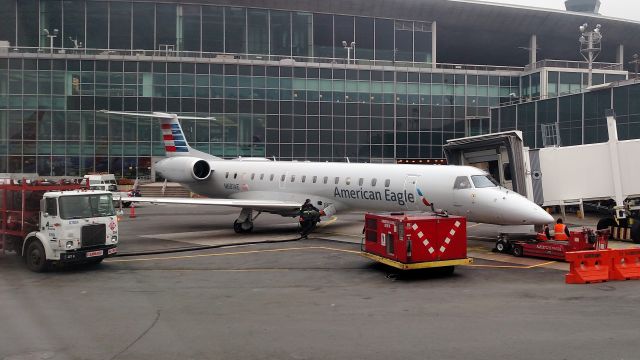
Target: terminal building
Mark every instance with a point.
(348, 80)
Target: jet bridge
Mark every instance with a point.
(502, 155)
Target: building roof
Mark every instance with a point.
(473, 32)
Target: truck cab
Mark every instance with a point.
(73, 226)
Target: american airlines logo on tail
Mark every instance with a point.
(173, 138)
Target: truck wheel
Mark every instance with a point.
(447, 270)
(502, 246)
(36, 257)
(635, 232)
(517, 251)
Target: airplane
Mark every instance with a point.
(280, 187)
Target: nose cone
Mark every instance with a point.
(524, 212)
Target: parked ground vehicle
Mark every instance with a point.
(61, 222)
(603, 175)
(107, 182)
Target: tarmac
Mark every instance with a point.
(303, 299)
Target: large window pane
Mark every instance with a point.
(323, 35)
(213, 29)
(364, 38)
(384, 39)
(28, 32)
(280, 33)
(166, 25)
(8, 23)
(73, 29)
(51, 19)
(422, 42)
(404, 41)
(235, 20)
(302, 34)
(258, 22)
(189, 36)
(97, 25)
(120, 25)
(343, 32)
(143, 26)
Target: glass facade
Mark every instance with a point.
(581, 116)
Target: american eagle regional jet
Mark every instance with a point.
(280, 187)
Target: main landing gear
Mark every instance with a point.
(244, 223)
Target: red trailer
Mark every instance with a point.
(416, 240)
(586, 239)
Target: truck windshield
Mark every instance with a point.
(483, 181)
(86, 206)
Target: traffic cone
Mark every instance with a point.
(132, 212)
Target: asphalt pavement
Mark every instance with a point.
(307, 299)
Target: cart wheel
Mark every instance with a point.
(36, 257)
(517, 251)
(635, 232)
(502, 246)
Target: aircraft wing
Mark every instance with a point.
(261, 205)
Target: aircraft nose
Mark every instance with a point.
(526, 212)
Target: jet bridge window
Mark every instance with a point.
(483, 181)
(462, 182)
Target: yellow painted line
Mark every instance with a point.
(232, 253)
(512, 266)
(543, 264)
(474, 225)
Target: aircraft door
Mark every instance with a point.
(410, 185)
(463, 196)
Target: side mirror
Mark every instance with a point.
(43, 206)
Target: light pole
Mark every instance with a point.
(349, 48)
(635, 62)
(590, 46)
(51, 36)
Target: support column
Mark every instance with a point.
(620, 54)
(533, 49)
(434, 47)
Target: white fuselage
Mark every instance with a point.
(370, 187)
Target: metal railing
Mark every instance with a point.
(167, 54)
(566, 64)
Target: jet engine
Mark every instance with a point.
(183, 169)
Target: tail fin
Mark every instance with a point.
(175, 143)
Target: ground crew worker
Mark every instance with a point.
(309, 217)
(561, 231)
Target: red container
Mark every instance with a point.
(416, 238)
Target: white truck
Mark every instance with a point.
(107, 182)
(601, 176)
(49, 223)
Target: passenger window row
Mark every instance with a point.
(303, 179)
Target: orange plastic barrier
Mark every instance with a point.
(588, 266)
(625, 264)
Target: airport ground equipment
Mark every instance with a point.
(603, 265)
(409, 241)
(107, 182)
(602, 176)
(56, 222)
(541, 247)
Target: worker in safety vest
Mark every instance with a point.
(309, 217)
(561, 231)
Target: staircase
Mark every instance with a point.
(172, 190)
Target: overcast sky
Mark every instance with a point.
(625, 9)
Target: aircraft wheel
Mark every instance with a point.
(246, 227)
(237, 227)
(502, 246)
(517, 251)
(635, 232)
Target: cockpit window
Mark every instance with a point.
(462, 182)
(483, 181)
